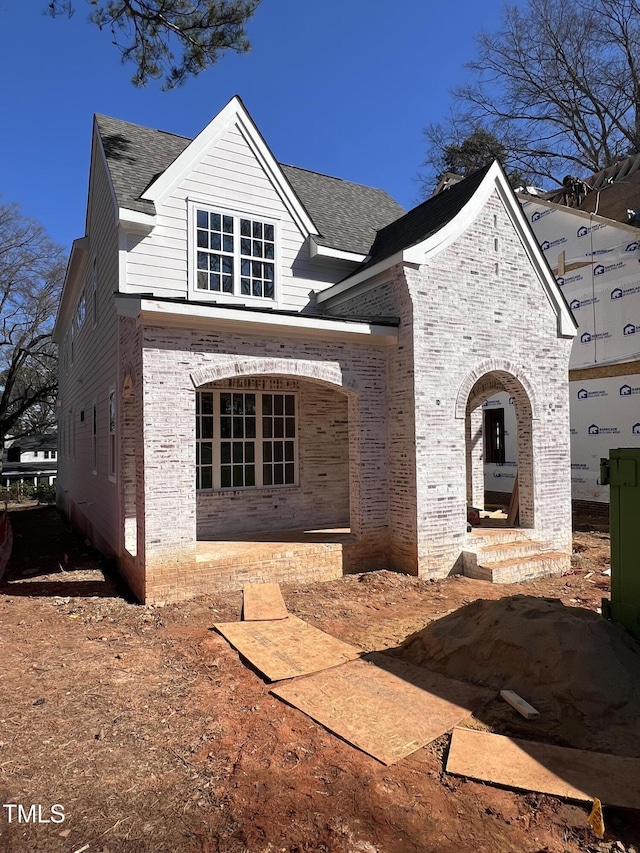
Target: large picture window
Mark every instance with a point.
(233, 254)
(245, 439)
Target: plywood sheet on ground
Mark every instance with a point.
(263, 602)
(286, 648)
(386, 707)
(530, 766)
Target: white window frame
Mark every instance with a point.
(112, 435)
(217, 440)
(236, 297)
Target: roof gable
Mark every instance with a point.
(142, 162)
(438, 222)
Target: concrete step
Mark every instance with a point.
(518, 569)
(499, 551)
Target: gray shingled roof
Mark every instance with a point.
(425, 219)
(347, 215)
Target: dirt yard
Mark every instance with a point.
(153, 735)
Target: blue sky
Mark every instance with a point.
(343, 87)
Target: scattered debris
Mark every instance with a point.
(522, 707)
(596, 818)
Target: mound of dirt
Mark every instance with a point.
(580, 671)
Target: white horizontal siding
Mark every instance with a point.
(231, 178)
(92, 499)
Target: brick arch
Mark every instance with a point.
(510, 375)
(325, 372)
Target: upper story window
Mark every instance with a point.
(233, 255)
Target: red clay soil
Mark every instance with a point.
(152, 733)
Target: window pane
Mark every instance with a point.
(269, 251)
(257, 288)
(206, 478)
(257, 229)
(245, 249)
(289, 473)
(245, 227)
(202, 219)
(227, 284)
(215, 222)
(225, 476)
(227, 243)
(238, 428)
(245, 287)
(266, 451)
(225, 404)
(289, 451)
(278, 404)
(206, 401)
(257, 249)
(203, 281)
(225, 427)
(207, 427)
(237, 453)
(278, 427)
(278, 451)
(250, 427)
(216, 242)
(238, 479)
(206, 453)
(267, 425)
(238, 404)
(250, 475)
(267, 404)
(203, 240)
(278, 475)
(289, 404)
(268, 289)
(227, 224)
(250, 404)
(249, 452)
(225, 452)
(290, 427)
(268, 232)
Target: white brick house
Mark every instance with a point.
(250, 350)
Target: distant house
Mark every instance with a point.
(594, 251)
(252, 352)
(31, 460)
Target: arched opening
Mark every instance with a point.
(276, 458)
(499, 451)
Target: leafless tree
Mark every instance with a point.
(558, 85)
(174, 39)
(31, 275)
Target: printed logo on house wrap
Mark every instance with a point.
(575, 304)
(619, 292)
(491, 403)
(550, 244)
(633, 247)
(635, 429)
(587, 337)
(630, 329)
(502, 475)
(583, 230)
(583, 394)
(579, 466)
(601, 269)
(594, 429)
(573, 431)
(627, 390)
(539, 214)
(569, 279)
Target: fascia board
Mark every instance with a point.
(72, 282)
(190, 315)
(234, 111)
(335, 254)
(358, 278)
(135, 222)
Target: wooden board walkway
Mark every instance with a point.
(286, 648)
(529, 766)
(386, 707)
(263, 602)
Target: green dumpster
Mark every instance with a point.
(621, 471)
